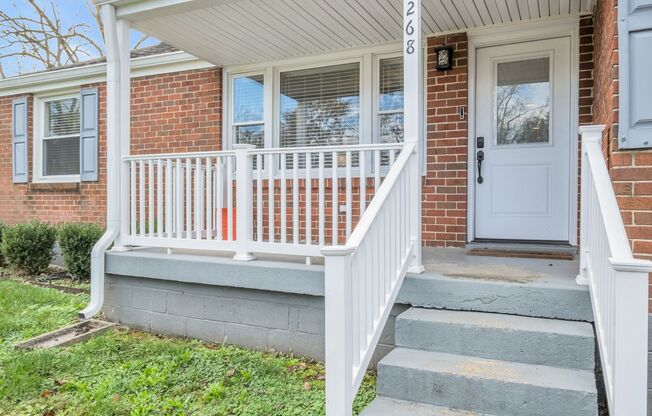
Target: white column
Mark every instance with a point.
(413, 114)
(244, 185)
(124, 132)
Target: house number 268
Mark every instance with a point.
(409, 29)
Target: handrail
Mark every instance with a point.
(190, 155)
(617, 281)
(379, 200)
(328, 148)
(362, 280)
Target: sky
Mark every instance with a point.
(70, 12)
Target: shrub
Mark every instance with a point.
(76, 241)
(2, 229)
(28, 247)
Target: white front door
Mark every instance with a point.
(522, 185)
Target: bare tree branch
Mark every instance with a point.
(43, 39)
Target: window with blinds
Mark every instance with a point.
(61, 137)
(320, 106)
(248, 110)
(390, 100)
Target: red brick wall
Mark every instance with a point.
(631, 170)
(175, 112)
(445, 186)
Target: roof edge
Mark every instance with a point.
(43, 82)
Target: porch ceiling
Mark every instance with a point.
(227, 32)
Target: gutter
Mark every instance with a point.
(113, 40)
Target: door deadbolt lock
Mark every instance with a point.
(479, 142)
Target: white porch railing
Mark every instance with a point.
(618, 283)
(279, 201)
(363, 278)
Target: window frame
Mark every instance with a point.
(38, 129)
(376, 94)
(367, 58)
(276, 137)
(231, 105)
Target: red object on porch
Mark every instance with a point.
(225, 224)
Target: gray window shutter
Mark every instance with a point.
(89, 135)
(20, 140)
(635, 63)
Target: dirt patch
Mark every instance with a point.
(486, 272)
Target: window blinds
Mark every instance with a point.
(62, 117)
(320, 106)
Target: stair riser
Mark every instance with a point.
(543, 348)
(482, 395)
(497, 297)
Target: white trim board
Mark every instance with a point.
(514, 33)
(62, 79)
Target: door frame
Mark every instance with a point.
(518, 33)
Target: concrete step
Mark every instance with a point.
(383, 406)
(519, 339)
(486, 386)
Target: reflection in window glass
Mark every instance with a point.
(248, 99)
(252, 134)
(523, 102)
(390, 100)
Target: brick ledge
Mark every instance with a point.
(62, 186)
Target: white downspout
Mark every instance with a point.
(113, 161)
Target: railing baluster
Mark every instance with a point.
(363, 182)
(349, 195)
(376, 170)
(229, 199)
(321, 205)
(334, 199)
(159, 198)
(150, 199)
(209, 198)
(295, 198)
(259, 198)
(188, 198)
(132, 168)
(219, 199)
(283, 200)
(179, 196)
(141, 196)
(271, 202)
(168, 199)
(308, 198)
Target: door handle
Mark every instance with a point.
(480, 158)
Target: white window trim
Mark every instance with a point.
(38, 129)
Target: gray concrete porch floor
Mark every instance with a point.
(451, 263)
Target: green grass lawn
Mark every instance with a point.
(125, 372)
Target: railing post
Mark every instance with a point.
(338, 312)
(244, 201)
(630, 339)
(413, 110)
(588, 134)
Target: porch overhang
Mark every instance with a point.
(229, 32)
